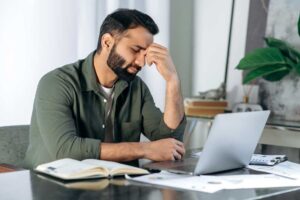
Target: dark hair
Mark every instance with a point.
(124, 19)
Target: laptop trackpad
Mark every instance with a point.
(180, 166)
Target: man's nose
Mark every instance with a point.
(140, 59)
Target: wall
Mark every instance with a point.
(237, 51)
(212, 22)
(36, 37)
(181, 41)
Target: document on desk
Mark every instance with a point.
(257, 181)
(286, 169)
(209, 184)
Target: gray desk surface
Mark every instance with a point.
(27, 185)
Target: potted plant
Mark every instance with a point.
(273, 62)
(277, 70)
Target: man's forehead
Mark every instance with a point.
(139, 36)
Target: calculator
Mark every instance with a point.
(269, 160)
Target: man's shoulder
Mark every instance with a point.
(68, 74)
(66, 71)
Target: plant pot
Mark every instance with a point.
(282, 97)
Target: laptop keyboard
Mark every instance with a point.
(185, 167)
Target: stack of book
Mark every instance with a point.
(203, 107)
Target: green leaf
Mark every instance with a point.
(299, 25)
(265, 71)
(290, 63)
(262, 57)
(297, 68)
(286, 49)
(276, 76)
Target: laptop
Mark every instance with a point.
(230, 144)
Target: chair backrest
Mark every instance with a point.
(13, 144)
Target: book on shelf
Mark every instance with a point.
(204, 107)
(203, 111)
(9, 168)
(205, 102)
(70, 169)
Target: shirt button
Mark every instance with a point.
(104, 100)
(103, 125)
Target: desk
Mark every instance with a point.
(27, 185)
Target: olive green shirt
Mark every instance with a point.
(68, 118)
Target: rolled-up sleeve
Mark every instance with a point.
(154, 126)
(56, 124)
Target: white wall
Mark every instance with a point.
(212, 22)
(212, 19)
(38, 36)
(182, 42)
(237, 51)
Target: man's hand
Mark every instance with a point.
(164, 149)
(159, 150)
(159, 55)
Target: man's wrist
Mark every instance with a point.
(173, 80)
(143, 149)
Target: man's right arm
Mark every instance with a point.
(159, 150)
(55, 123)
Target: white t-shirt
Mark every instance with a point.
(107, 91)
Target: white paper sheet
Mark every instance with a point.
(196, 183)
(286, 169)
(211, 184)
(257, 181)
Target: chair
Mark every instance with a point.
(13, 144)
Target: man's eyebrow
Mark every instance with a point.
(140, 47)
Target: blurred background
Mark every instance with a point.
(206, 39)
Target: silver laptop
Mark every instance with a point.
(230, 144)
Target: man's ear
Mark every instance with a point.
(107, 41)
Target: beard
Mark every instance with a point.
(116, 61)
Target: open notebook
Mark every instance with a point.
(70, 169)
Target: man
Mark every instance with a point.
(98, 107)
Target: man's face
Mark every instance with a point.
(127, 57)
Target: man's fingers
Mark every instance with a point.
(180, 147)
(179, 143)
(150, 59)
(159, 46)
(176, 155)
(156, 51)
(174, 149)
(180, 150)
